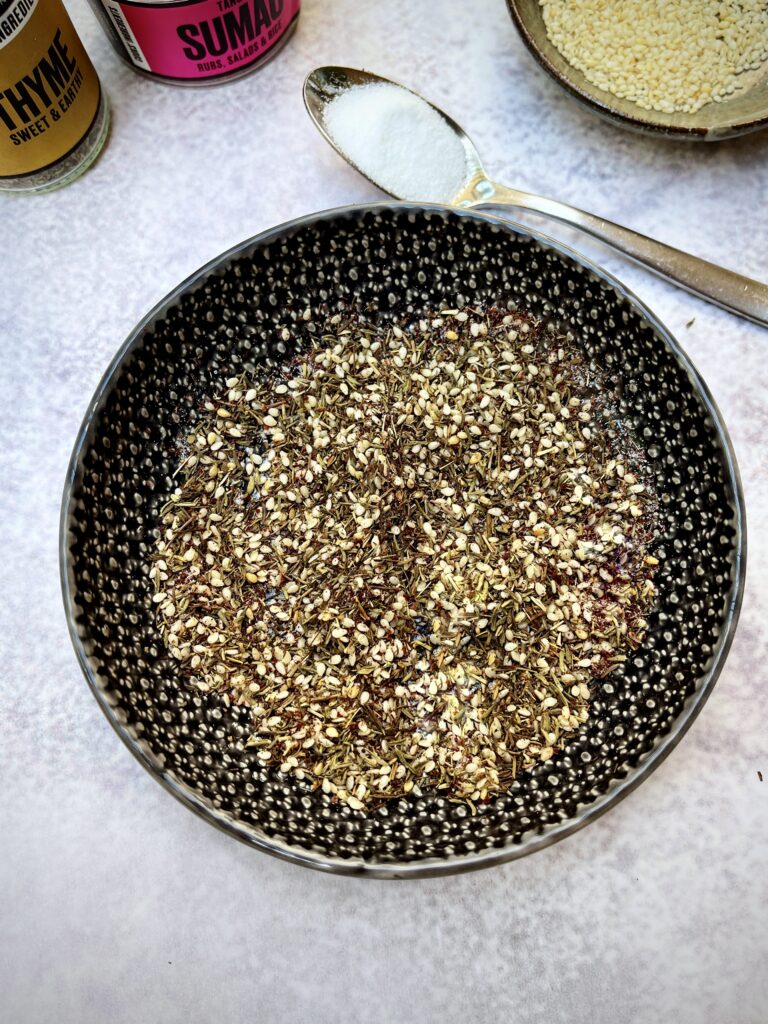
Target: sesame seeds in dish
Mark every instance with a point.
(412, 553)
(669, 57)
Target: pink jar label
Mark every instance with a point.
(200, 38)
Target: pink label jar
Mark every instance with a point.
(197, 42)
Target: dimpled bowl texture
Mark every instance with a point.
(744, 112)
(390, 259)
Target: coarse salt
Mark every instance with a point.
(398, 141)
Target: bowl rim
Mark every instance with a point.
(644, 123)
(428, 867)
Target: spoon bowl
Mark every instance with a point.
(323, 85)
(396, 138)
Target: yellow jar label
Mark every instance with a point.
(49, 90)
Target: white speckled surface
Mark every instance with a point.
(118, 905)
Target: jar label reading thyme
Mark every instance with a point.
(49, 90)
(202, 38)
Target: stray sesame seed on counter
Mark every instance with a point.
(672, 56)
(410, 552)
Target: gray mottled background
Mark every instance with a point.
(116, 904)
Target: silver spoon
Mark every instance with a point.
(724, 288)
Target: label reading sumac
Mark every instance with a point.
(202, 38)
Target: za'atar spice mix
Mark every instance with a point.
(411, 551)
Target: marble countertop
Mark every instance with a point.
(116, 903)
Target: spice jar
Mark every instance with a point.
(197, 42)
(54, 116)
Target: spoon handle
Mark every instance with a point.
(731, 291)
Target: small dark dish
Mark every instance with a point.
(391, 258)
(737, 115)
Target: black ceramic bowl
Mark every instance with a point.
(390, 259)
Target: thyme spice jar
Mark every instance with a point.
(197, 42)
(54, 116)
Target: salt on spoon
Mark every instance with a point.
(399, 141)
(414, 151)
